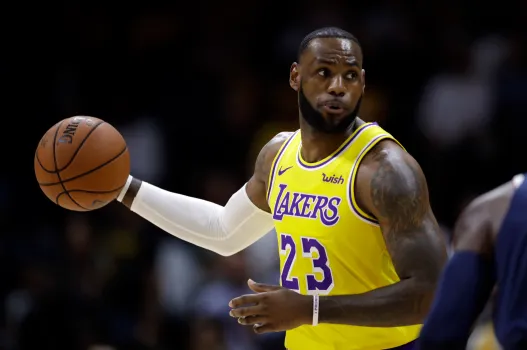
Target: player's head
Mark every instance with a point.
(329, 79)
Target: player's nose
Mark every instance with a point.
(337, 87)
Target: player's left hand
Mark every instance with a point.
(272, 309)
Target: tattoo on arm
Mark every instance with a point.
(267, 155)
(263, 163)
(399, 197)
(394, 190)
(399, 194)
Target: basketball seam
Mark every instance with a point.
(74, 153)
(95, 192)
(42, 166)
(58, 173)
(86, 191)
(36, 152)
(85, 173)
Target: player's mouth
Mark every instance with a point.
(334, 107)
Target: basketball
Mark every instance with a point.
(82, 163)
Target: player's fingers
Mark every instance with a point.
(245, 300)
(246, 311)
(252, 320)
(263, 328)
(261, 287)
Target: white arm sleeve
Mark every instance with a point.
(224, 230)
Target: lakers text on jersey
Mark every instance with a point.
(327, 244)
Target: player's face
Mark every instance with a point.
(330, 82)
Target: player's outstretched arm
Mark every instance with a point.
(392, 187)
(225, 230)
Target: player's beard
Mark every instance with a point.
(317, 120)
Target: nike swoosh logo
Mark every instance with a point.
(281, 172)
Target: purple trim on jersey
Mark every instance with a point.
(342, 149)
(375, 140)
(273, 172)
(371, 221)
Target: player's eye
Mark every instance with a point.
(324, 72)
(352, 75)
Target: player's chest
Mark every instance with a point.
(313, 216)
(310, 198)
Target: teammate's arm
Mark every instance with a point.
(223, 229)
(392, 187)
(466, 284)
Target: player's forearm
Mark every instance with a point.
(401, 304)
(224, 230)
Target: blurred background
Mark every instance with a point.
(205, 84)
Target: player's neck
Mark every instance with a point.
(318, 145)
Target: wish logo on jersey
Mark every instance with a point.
(305, 205)
(333, 179)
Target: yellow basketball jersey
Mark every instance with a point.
(327, 244)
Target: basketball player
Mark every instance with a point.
(360, 249)
(490, 242)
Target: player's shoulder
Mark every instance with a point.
(485, 204)
(394, 168)
(388, 176)
(268, 154)
(394, 163)
(271, 148)
(481, 219)
(388, 150)
(274, 144)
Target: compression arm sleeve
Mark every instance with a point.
(466, 285)
(224, 230)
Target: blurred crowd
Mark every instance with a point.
(196, 91)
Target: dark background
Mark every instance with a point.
(197, 88)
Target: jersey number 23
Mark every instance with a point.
(310, 248)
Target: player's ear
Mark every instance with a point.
(363, 80)
(294, 77)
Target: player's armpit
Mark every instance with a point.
(392, 187)
(257, 185)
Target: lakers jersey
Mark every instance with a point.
(327, 244)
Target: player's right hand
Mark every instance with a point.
(272, 309)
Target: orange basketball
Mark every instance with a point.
(82, 163)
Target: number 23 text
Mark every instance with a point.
(312, 249)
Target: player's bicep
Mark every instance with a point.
(395, 192)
